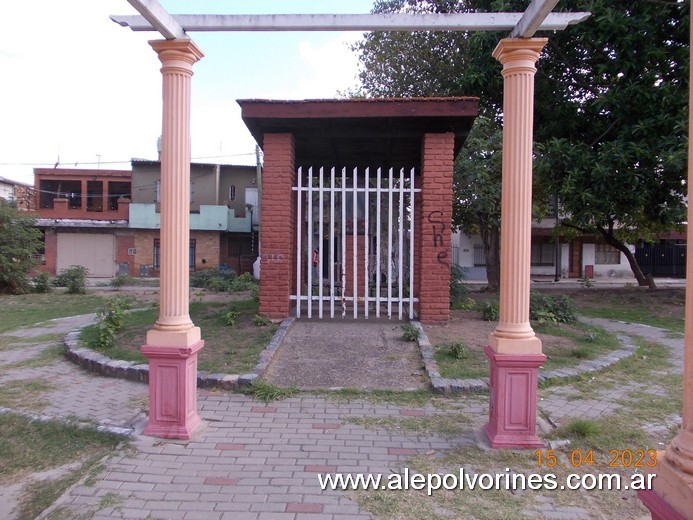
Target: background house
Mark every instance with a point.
(84, 216)
(224, 216)
(22, 195)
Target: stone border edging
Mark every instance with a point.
(442, 385)
(124, 431)
(105, 366)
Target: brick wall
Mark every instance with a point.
(123, 244)
(51, 252)
(434, 227)
(278, 226)
(207, 248)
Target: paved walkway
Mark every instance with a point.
(254, 461)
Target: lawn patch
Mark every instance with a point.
(27, 309)
(228, 349)
(25, 394)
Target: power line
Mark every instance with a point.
(88, 163)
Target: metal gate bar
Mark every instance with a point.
(367, 232)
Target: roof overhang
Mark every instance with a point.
(381, 132)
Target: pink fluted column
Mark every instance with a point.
(672, 495)
(173, 343)
(514, 351)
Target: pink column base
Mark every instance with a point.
(513, 400)
(659, 509)
(172, 390)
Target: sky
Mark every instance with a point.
(81, 91)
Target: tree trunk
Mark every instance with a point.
(491, 239)
(643, 280)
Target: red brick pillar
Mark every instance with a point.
(434, 235)
(278, 232)
(360, 266)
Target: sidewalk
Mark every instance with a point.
(255, 461)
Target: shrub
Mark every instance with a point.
(244, 282)
(218, 280)
(261, 321)
(409, 332)
(458, 289)
(490, 310)
(542, 309)
(43, 283)
(111, 320)
(230, 316)
(20, 243)
(457, 350)
(74, 278)
(119, 281)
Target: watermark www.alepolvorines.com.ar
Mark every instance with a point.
(466, 480)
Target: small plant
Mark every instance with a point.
(218, 280)
(111, 320)
(582, 428)
(74, 278)
(261, 321)
(592, 335)
(458, 289)
(230, 317)
(43, 283)
(580, 352)
(585, 282)
(267, 392)
(119, 281)
(244, 282)
(457, 350)
(409, 332)
(490, 310)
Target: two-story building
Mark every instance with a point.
(108, 220)
(224, 216)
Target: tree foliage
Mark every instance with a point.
(611, 110)
(477, 189)
(20, 240)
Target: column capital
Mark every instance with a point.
(519, 52)
(181, 53)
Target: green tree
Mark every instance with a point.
(611, 110)
(20, 240)
(477, 191)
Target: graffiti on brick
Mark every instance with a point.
(438, 226)
(272, 257)
(443, 258)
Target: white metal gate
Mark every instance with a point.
(355, 243)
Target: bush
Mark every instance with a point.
(458, 289)
(230, 316)
(551, 309)
(119, 281)
(20, 243)
(43, 283)
(111, 320)
(218, 280)
(409, 332)
(542, 309)
(457, 350)
(490, 310)
(244, 282)
(261, 321)
(74, 278)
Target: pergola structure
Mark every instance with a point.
(514, 351)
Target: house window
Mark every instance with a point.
(158, 191)
(191, 254)
(543, 253)
(232, 192)
(479, 255)
(606, 254)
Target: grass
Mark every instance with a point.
(267, 392)
(28, 446)
(47, 356)
(27, 309)
(228, 349)
(663, 308)
(448, 425)
(24, 393)
(456, 362)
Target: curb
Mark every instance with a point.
(103, 365)
(442, 385)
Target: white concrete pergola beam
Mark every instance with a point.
(358, 22)
(158, 18)
(532, 18)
